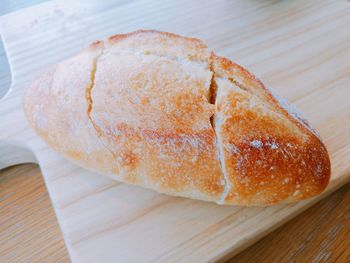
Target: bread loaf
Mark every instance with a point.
(164, 112)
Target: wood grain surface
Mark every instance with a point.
(29, 231)
(300, 48)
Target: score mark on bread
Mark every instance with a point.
(162, 111)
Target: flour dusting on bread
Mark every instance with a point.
(164, 112)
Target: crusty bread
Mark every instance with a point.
(161, 111)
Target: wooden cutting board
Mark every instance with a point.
(301, 48)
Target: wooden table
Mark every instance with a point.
(29, 229)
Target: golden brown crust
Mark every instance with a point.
(138, 107)
(246, 80)
(269, 156)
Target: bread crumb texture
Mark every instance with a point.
(164, 112)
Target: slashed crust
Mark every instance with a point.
(269, 157)
(157, 121)
(161, 111)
